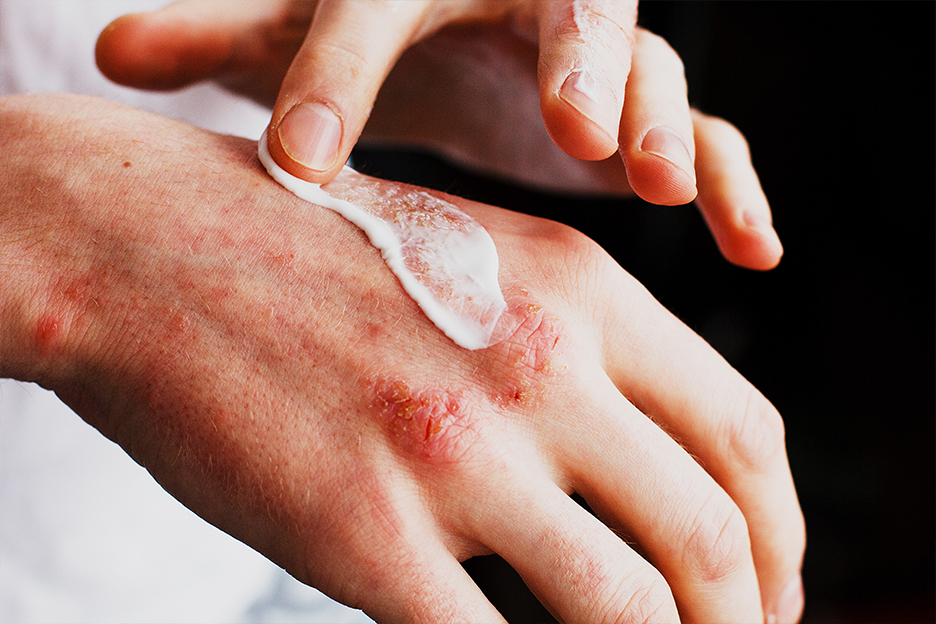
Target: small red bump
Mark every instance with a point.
(180, 323)
(47, 332)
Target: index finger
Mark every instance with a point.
(585, 58)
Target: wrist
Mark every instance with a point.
(36, 331)
(50, 178)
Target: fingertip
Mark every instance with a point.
(306, 142)
(750, 244)
(329, 90)
(110, 51)
(789, 607)
(732, 200)
(149, 51)
(669, 145)
(661, 171)
(570, 119)
(768, 250)
(310, 136)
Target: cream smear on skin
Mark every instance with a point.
(443, 258)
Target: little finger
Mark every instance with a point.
(730, 196)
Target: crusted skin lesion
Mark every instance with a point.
(529, 355)
(435, 425)
(534, 343)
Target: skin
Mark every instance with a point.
(254, 354)
(480, 81)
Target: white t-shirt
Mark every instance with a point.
(86, 535)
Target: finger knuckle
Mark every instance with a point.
(355, 66)
(663, 54)
(613, 20)
(718, 543)
(757, 436)
(377, 513)
(530, 357)
(583, 258)
(726, 134)
(639, 595)
(569, 261)
(579, 269)
(648, 600)
(568, 239)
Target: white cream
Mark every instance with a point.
(443, 258)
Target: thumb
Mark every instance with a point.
(330, 88)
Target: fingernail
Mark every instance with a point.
(761, 224)
(666, 143)
(789, 606)
(310, 134)
(594, 98)
(756, 221)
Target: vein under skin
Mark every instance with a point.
(445, 260)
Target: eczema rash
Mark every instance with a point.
(434, 425)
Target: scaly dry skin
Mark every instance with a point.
(256, 355)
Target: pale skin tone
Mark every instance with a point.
(254, 47)
(495, 85)
(254, 353)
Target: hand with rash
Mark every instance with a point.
(253, 352)
(530, 90)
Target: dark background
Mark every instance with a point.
(837, 102)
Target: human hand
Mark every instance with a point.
(254, 353)
(478, 93)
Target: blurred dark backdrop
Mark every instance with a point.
(837, 102)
